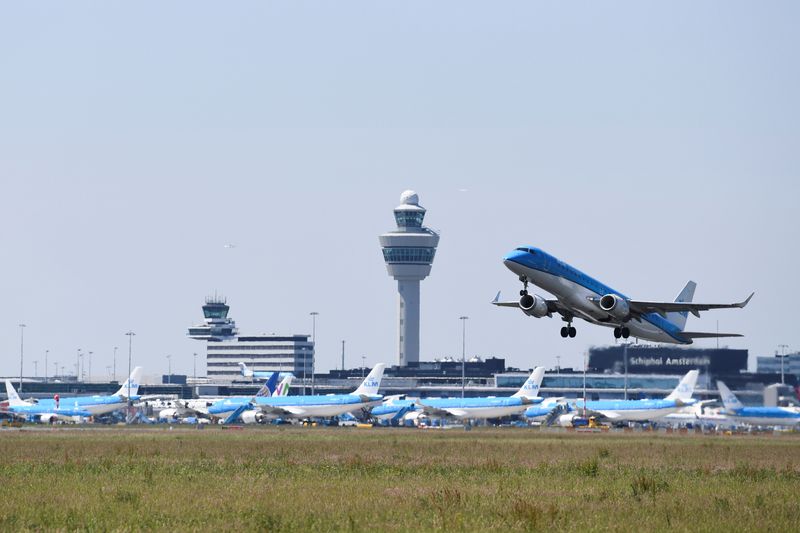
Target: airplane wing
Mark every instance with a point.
(552, 304)
(435, 411)
(662, 308)
(277, 411)
(705, 335)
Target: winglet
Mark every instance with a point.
(747, 301)
(496, 298)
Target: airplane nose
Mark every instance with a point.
(513, 259)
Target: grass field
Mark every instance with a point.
(315, 479)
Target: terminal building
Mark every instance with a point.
(786, 364)
(225, 348)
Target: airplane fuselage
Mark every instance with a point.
(299, 406)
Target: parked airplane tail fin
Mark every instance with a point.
(685, 296)
(372, 382)
(530, 389)
(13, 398)
(133, 380)
(283, 387)
(271, 384)
(729, 400)
(246, 372)
(685, 387)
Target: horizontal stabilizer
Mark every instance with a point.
(706, 335)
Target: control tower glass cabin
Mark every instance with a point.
(217, 325)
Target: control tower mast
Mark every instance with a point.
(408, 252)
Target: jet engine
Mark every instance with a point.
(615, 306)
(253, 417)
(533, 305)
(48, 418)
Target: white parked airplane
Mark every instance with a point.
(580, 296)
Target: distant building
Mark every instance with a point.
(263, 353)
(225, 348)
(664, 359)
(772, 365)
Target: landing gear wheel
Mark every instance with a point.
(523, 292)
(625, 333)
(617, 333)
(564, 332)
(572, 332)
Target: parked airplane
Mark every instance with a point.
(487, 407)
(366, 395)
(101, 404)
(580, 296)
(200, 406)
(627, 410)
(756, 416)
(248, 373)
(395, 409)
(33, 412)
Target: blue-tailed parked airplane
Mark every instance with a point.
(366, 395)
(621, 410)
(487, 407)
(100, 404)
(33, 412)
(580, 296)
(756, 416)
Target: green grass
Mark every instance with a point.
(304, 479)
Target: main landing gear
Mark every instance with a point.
(623, 332)
(568, 331)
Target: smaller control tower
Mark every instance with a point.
(408, 252)
(217, 325)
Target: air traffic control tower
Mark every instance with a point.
(408, 252)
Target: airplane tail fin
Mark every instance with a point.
(530, 389)
(372, 382)
(246, 372)
(283, 386)
(685, 388)
(685, 296)
(134, 378)
(729, 400)
(271, 384)
(13, 398)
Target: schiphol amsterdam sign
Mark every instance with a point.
(697, 361)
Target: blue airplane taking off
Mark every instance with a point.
(366, 395)
(756, 416)
(580, 296)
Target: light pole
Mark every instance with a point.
(363, 365)
(89, 374)
(45, 365)
(130, 335)
(78, 366)
(625, 360)
(169, 369)
(782, 348)
(21, 352)
(463, 320)
(36, 369)
(558, 364)
(342, 356)
(194, 366)
(115, 363)
(314, 342)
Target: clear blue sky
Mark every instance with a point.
(646, 144)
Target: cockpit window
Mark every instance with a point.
(522, 249)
